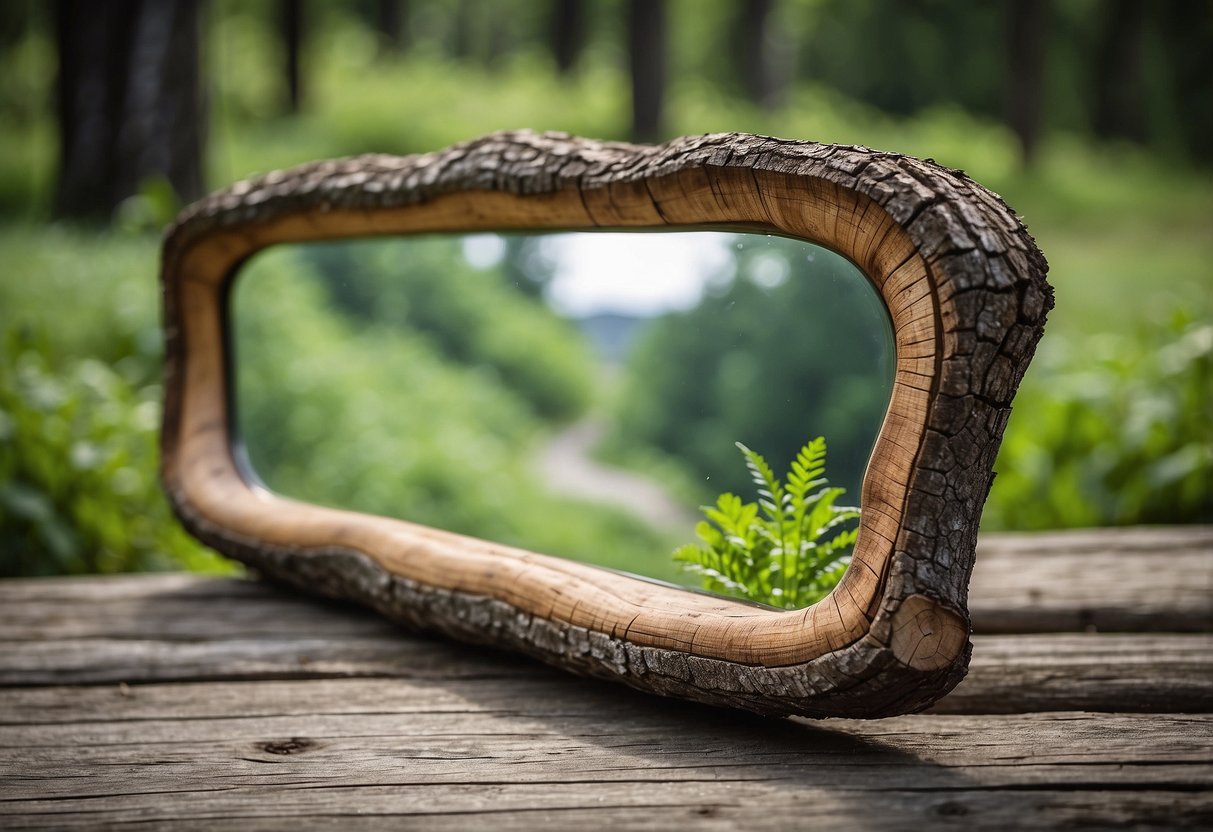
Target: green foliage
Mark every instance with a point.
(78, 486)
(1111, 434)
(471, 316)
(79, 409)
(1111, 424)
(792, 553)
(371, 415)
(352, 405)
(796, 336)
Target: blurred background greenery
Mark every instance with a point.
(1093, 118)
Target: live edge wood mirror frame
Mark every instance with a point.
(965, 289)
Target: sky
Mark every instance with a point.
(630, 273)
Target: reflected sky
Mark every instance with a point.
(626, 272)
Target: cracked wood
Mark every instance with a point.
(965, 288)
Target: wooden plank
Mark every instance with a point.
(1137, 579)
(716, 805)
(272, 752)
(1134, 579)
(188, 629)
(1127, 673)
(1010, 674)
(102, 661)
(449, 737)
(174, 607)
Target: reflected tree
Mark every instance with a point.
(793, 347)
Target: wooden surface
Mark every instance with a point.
(169, 700)
(963, 283)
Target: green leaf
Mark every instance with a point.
(793, 554)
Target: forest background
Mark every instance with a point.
(1093, 118)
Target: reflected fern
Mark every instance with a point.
(788, 549)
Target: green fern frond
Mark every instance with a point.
(770, 491)
(789, 549)
(808, 469)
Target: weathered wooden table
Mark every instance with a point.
(175, 700)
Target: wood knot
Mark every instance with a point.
(295, 745)
(927, 635)
(951, 809)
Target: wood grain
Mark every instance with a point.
(1130, 673)
(1156, 579)
(339, 752)
(155, 629)
(965, 289)
(1150, 579)
(221, 726)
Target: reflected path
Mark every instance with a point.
(568, 467)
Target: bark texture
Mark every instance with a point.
(968, 298)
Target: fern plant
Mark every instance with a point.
(790, 548)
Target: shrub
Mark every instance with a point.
(1114, 430)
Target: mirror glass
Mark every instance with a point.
(578, 394)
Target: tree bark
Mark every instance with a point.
(568, 33)
(646, 53)
(129, 101)
(1027, 52)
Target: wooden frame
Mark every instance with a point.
(964, 285)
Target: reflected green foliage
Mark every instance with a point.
(1109, 434)
(790, 548)
(798, 340)
(471, 316)
(361, 410)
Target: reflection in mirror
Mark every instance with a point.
(577, 394)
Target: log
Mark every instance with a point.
(965, 289)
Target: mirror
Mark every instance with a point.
(463, 414)
(578, 394)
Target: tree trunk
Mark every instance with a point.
(1187, 34)
(462, 35)
(757, 54)
(1027, 52)
(568, 33)
(1119, 103)
(392, 23)
(129, 101)
(290, 21)
(646, 52)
